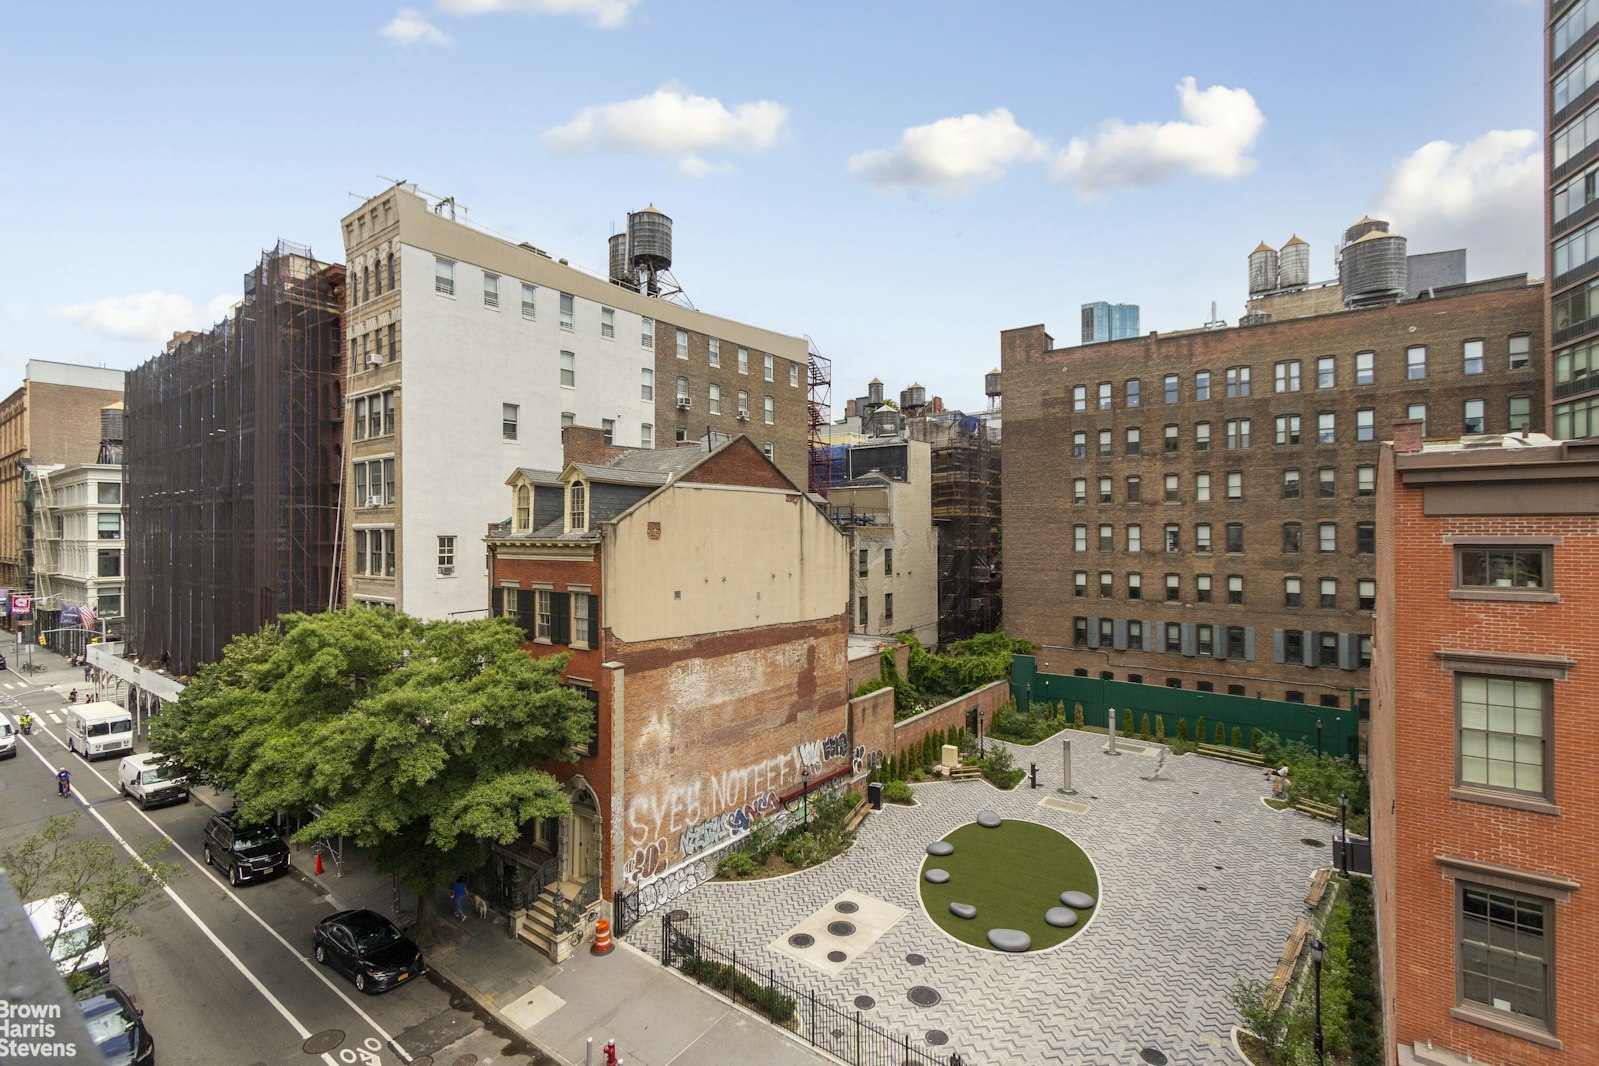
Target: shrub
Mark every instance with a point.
(1160, 728)
(1249, 1000)
(724, 978)
(1255, 736)
(735, 865)
(1143, 727)
(1238, 736)
(1000, 758)
(1199, 730)
(1221, 733)
(802, 850)
(898, 792)
(1182, 730)
(1127, 722)
(762, 840)
(1077, 716)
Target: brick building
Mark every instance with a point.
(702, 599)
(1198, 509)
(1484, 806)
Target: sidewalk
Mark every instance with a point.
(655, 1016)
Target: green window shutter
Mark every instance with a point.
(594, 622)
(496, 602)
(527, 611)
(560, 618)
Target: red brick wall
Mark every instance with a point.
(585, 444)
(870, 667)
(740, 463)
(871, 725)
(990, 698)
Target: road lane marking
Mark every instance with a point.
(307, 961)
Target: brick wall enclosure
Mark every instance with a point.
(951, 715)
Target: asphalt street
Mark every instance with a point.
(225, 975)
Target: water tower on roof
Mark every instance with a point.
(641, 258)
(1293, 264)
(1262, 269)
(913, 399)
(1372, 265)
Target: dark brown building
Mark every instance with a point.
(1197, 510)
(1571, 153)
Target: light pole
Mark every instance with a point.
(805, 795)
(1318, 738)
(1316, 951)
(1343, 835)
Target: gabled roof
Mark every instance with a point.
(535, 476)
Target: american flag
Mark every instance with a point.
(87, 616)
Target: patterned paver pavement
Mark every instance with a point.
(1200, 883)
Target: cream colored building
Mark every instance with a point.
(77, 544)
(469, 353)
(886, 509)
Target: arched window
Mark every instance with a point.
(577, 507)
(524, 513)
(366, 284)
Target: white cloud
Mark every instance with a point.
(145, 316)
(670, 122)
(1213, 139)
(606, 14)
(1485, 195)
(409, 27)
(953, 155)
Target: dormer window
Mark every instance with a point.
(524, 509)
(577, 517)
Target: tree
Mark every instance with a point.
(88, 873)
(416, 740)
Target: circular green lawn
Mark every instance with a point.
(1012, 875)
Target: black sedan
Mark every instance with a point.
(117, 1028)
(369, 948)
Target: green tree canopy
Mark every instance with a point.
(416, 740)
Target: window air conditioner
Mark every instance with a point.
(446, 571)
(743, 416)
(683, 403)
(374, 501)
(374, 360)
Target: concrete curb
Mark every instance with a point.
(453, 982)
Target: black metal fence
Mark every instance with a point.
(839, 1032)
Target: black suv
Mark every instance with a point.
(246, 852)
(117, 1028)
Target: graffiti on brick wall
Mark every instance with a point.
(861, 760)
(668, 887)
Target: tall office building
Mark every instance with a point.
(1571, 124)
(1109, 322)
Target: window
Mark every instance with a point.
(863, 614)
(1327, 654)
(1365, 538)
(1107, 537)
(1327, 372)
(1366, 593)
(1172, 490)
(509, 412)
(1135, 642)
(1238, 381)
(608, 428)
(544, 624)
(1107, 584)
(1327, 483)
(1237, 433)
(1471, 357)
(366, 283)
(109, 562)
(377, 338)
(646, 436)
(766, 450)
(1174, 589)
(1236, 649)
(1291, 538)
(1079, 632)
(1080, 490)
(1079, 444)
(566, 310)
(743, 361)
(767, 409)
(1104, 490)
(715, 354)
(360, 419)
(743, 403)
(1201, 437)
(1235, 588)
(647, 334)
(1169, 441)
(1079, 397)
(1104, 396)
(1174, 682)
(1202, 538)
(1133, 386)
(1203, 641)
(1416, 363)
(1135, 440)
(1520, 347)
(1365, 368)
(582, 620)
(529, 309)
(1202, 488)
(1326, 428)
(1504, 947)
(524, 509)
(394, 348)
(1503, 725)
(1495, 567)
(1173, 538)
(1287, 429)
(888, 607)
(567, 418)
(1294, 646)
(715, 399)
(1169, 388)
(1235, 484)
(1570, 27)
(1329, 592)
(863, 563)
(1365, 480)
(1290, 484)
(682, 344)
(1327, 537)
(1135, 538)
(109, 526)
(888, 562)
(1174, 640)
(491, 290)
(1235, 537)
(1473, 419)
(646, 389)
(1293, 696)
(577, 516)
(1287, 376)
(793, 375)
(444, 277)
(1520, 413)
(1292, 592)
(568, 370)
(1080, 538)
(1135, 586)
(1418, 410)
(1366, 424)
(1134, 488)
(1080, 583)
(682, 389)
(108, 492)
(1104, 444)
(607, 323)
(1202, 385)
(446, 556)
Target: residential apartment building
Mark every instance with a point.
(885, 508)
(470, 353)
(1571, 154)
(1198, 510)
(700, 596)
(1483, 806)
(234, 457)
(53, 418)
(1109, 322)
(77, 560)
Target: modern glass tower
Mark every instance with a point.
(1571, 109)
(1109, 322)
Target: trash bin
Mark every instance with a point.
(874, 792)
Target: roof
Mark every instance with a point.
(551, 478)
(1263, 247)
(1376, 235)
(872, 479)
(1293, 240)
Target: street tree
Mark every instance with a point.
(85, 873)
(415, 740)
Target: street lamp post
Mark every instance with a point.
(1317, 949)
(805, 795)
(1318, 738)
(1343, 835)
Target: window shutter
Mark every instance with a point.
(1118, 634)
(560, 618)
(1151, 636)
(527, 612)
(594, 702)
(1312, 647)
(1249, 643)
(1218, 642)
(1190, 639)
(496, 602)
(1348, 650)
(1093, 632)
(1158, 637)
(594, 621)
(1277, 651)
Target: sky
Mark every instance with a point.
(899, 181)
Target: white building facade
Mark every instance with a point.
(77, 542)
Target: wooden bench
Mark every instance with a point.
(965, 773)
(1317, 810)
(1318, 887)
(1243, 755)
(1284, 975)
(857, 816)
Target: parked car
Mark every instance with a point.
(245, 852)
(69, 934)
(151, 780)
(117, 1028)
(8, 739)
(369, 948)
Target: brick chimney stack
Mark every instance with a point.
(1407, 435)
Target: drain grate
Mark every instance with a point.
(464, 1060)
(836, 956)
(323, 1042)
(846, 906)
(678, 915)
(841, 928)
(937, 1037)
(1312, 842)
(914, 959)
(1152, 1056)
(865, 1002)
(923, 996)
(801, 940)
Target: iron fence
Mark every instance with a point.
(839, 1032)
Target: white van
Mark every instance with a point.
(151, 780)
(95, 730)
(70, 936)
(8, 739)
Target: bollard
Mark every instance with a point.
(1034, 771)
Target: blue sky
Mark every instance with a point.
(898, 180)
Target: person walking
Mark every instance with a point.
(88, 673)
(460, 898)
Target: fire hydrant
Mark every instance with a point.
(610, 1053)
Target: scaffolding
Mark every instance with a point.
(966, 513)
(234, 450)
(819, 377)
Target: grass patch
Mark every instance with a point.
(1012, 875)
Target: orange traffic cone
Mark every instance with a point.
(319, 860)
(602, 938)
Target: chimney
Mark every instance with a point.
(585, 444)
(1407, 435)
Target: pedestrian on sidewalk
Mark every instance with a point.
(460, 898)
(88, 672)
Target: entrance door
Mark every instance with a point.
(582, 853)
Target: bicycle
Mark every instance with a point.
(33, 668)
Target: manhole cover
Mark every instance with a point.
(865, 1002)
(923, 996)
(846, 906)
(841, 928)
(836, 956)
(1153, 1057)
(915, 960)
(801, 940)
(323, 1042)
(464, 1060)
(937, 1037)
(1312, 842)
(678, 915)
(425, 1060)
